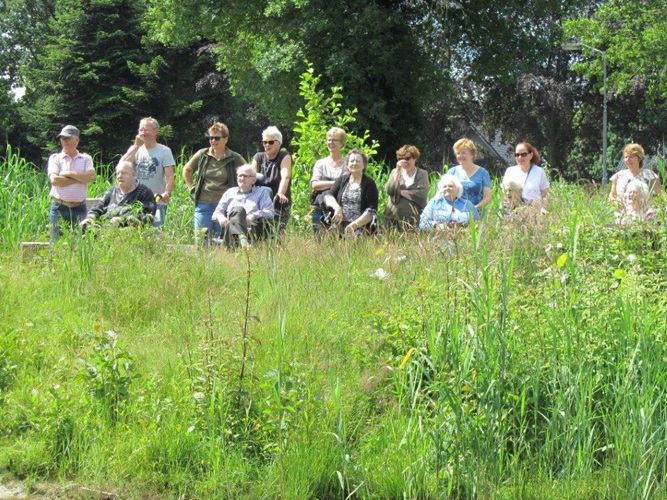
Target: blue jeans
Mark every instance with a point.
(203, 214)
(282, 216)
(160, 214)
(57, 212)
(317, 218)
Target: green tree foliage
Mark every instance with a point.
(510, 75)
(372, 49)
(96, 69)
(631, 32)
(314, 119)
(23, 26)
(83, 76)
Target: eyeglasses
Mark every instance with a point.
(268, 143)
(522, 155)
(244, 176)
(215, 138)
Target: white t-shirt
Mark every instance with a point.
(408, 180)
(533, 182)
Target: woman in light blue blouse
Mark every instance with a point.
(475, 179)
(447, 208)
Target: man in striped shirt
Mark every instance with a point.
(69, 172)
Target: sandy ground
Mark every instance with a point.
(11, 491)
(15, 490)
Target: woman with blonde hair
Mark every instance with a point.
(633, 157)
(476, 180)
(326, 171)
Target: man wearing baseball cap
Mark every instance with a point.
(69, 172)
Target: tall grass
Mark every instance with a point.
(24, 201)
(522, 360)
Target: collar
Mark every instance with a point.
(227, 154)
(62, 154)
(136, 183)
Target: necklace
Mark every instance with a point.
(340, 162)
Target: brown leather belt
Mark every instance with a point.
(68, 204)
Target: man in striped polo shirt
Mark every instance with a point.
(69, 172)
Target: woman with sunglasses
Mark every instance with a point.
(529, 175)
(216, 173)
(276, 167)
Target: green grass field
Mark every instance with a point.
(518, 360)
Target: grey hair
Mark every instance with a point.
(450, 178)
(511, 185)
(149, 119)
(640, 187)
(126, 163)
(245, 167)
(273, 133)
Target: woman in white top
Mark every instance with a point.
(529, 175)
(633, 157)
(326, 171)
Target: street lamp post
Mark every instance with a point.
(577, 47)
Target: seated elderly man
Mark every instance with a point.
(128, 203)
(243, 211)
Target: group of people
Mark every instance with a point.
(144, 182)
(345, 198)
(237, 202)
(230, 208)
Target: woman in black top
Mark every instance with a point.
(276, 167)
(354, 198)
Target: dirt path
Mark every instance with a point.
(11, 491)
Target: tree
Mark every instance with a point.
(83, 77)
(631, 33)
(371, 49)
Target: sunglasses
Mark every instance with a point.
(269, 143)
(522, 155)
(215, 138)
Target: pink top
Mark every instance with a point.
(60, 162)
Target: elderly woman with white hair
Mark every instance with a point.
(636, 204)
(276, 167)
(447, 208)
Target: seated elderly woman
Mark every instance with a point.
(244, 212)
(354, 198)
(447, 208)
(636, 206)
(513, 203)
(127, 203)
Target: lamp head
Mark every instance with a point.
(572, 46)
